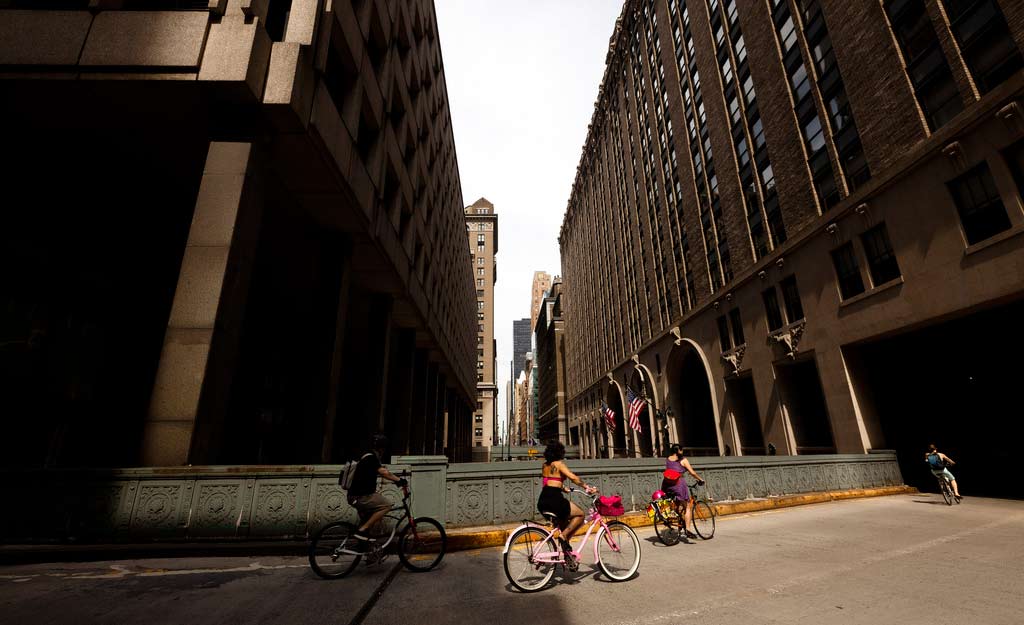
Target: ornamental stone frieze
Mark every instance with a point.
(789, 337)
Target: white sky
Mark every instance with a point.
(522, 80)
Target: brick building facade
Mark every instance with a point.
(795, 227)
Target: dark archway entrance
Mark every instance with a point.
(742, 401)
(691, 402)
(954, 384)
(618, 438)
(805, 404)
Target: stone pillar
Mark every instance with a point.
(399, 405)
(774, 420)
(200, 345)
(429, 483)
(848, 430)
(419, 403)
(337, 363)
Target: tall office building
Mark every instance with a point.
(550, 368)
(522, 333)
(482, 229)
(797, 223)
(541, 283)
(232, 233)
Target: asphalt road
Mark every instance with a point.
(904, 559)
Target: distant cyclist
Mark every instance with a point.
(363, 495)
(937, 462)
(673, 483)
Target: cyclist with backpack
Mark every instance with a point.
(362, 490)
(937, 462)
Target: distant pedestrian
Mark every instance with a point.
(771, 449)
(937, 462)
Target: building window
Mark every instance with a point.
(926, 63)
(1014, 156)
(479, 340)
(981, 210)
(771, 309)
(479, 283)
(480, 406)
(847, 271)
(481, 239)
(882, 265)
(479, 364)
(723, 334)
(479, 418)
(479, 377)
(479, 293)
(985, 41)
(480, 249)
(480, 262)
(791, 299)
(480, 227)
(480, 328)
(480, 271)
(478, 431)
(480, 317)
(737, 326)
(479, 352)
(480, 306)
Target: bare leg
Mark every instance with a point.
(688, 515)
(373, 520)
(956, 491)
(575, 521)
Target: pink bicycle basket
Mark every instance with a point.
(610, 506)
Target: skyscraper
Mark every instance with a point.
(541, 283)
(482, 230)
(521, 341)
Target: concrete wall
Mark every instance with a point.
(258, 503)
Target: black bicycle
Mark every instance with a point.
(703, 515)
(334, 552)
(947, 490)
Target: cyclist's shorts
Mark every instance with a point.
(943, 472)
(551, 500)
(368, 504)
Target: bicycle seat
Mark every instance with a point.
(550, 516)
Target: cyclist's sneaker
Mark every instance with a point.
(690, 534)
(364, 542)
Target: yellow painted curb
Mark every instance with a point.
(461, 539)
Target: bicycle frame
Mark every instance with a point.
(555, 557)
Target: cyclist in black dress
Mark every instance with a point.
(554, 473)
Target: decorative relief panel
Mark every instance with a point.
(161, 507)
(773, 481)
(516, 500)
(279, 507)
(472, 504)
(330, 504)
(97, 509)
(216, 508)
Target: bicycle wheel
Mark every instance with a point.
(947, 494)
(521, 567)
(666, 526)
(333, 553)
(422, 544)
(618, 551)
(704, 520)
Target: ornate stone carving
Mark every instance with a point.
(276, 506)
(517, 499)
(955, 153)
(156, 506)
(473, 503)
(734, 358)
(1013, 116)
(216, 509)
(678, 334)
(789, 337)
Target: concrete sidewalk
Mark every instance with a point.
(459, 538)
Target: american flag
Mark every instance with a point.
(636, 406)
(609, 416)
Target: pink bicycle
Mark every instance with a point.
(532, 552)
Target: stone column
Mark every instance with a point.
(419, 403)
(399, 405)
(207, 308)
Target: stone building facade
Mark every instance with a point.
(540, 286)
(796, 228)
(232, 234)
(482, 229)
(550, 339)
